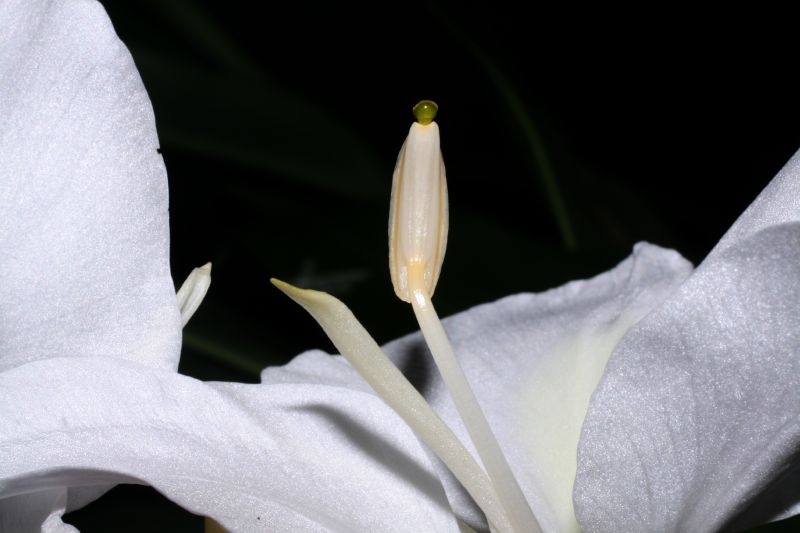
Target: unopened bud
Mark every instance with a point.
(418, 211)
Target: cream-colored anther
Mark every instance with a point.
(418, 211)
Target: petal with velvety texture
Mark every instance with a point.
(254, 457)
(696, 424)
(533, 361)
(83, 194)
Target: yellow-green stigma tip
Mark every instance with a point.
(425, 111)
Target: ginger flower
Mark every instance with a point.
(653, 397)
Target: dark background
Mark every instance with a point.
(568, 135)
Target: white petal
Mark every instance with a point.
(193, 291)
(83, 194)
(254, 457)
(695, 424)
(35, 513)
(533, 361)
(723, 325)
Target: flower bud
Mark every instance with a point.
(418, 212)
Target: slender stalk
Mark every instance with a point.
(364, 354)
(505, 484)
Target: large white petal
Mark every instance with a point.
(83, 194)
(695, 424)
(254, 457)
(533, 361)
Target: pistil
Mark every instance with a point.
(364, 354)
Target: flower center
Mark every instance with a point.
(418, 224)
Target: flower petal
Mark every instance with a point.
(733, 330)
(35, 513)
(83, 194)
(697, 414)
(193, 291)
(533, 361)
(282, 457)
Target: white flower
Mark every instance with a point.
(695, 424)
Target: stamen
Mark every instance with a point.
(192, 292)
(364, 354)
(418, 224)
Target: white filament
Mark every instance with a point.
(505, 484)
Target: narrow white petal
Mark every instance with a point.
(83, 194)
(192, 292)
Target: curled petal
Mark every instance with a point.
(253, 457)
